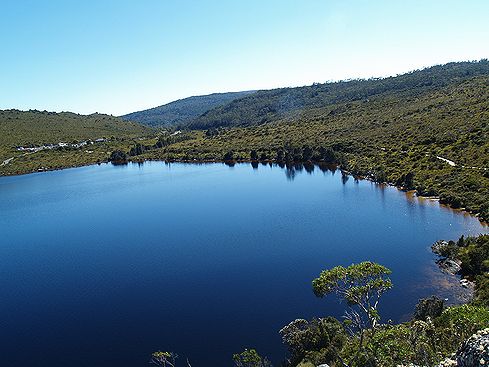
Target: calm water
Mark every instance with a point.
(101, 265)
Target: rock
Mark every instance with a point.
(450, 266)
(475, 351)
(448, 362)
(438, 247)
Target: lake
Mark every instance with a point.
(102, 265)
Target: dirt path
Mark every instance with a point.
(7, 161)
(453, 164)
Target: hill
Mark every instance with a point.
(38, 129)
(273, 105)
(183, 111)
(427, 130)
(432, 136)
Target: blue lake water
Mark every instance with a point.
(101, 265)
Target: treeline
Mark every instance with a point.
(181, 112)
(163, 141)
(289, 154)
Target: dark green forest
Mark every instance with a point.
(278, 104)
(182, 112)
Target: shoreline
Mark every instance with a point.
(267, 162)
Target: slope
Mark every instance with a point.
(183, 111)
(272, 105)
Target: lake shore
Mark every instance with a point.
(249, 161)
(291, 231)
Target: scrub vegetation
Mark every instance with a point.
(362, 339)
(427, 130)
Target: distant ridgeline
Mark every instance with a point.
(265, 106)
(272, 105)
(426, 130)
(41, 127)
(183, 111)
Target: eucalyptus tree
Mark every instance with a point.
(361, 286)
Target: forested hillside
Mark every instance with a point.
(434, 139)
(427, 130)
(183, 111)
(272, 105)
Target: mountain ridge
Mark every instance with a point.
(180, 112)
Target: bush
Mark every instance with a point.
(118, 156)
(457, 324)
(428, 307)
(318, 341)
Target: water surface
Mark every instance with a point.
(101, 265)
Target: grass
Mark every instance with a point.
(25, 128)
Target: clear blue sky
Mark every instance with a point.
(118, 56)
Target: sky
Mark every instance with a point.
(121, 56)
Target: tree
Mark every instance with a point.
(428, 307)
(118, 156)
(280, 155)
(254, 155)
(228, 156)
(307, 153)
(361, 285)
(319, 340)
(250, 358)
(163, 359)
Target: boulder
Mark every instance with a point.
(450, 266)
(438, 247)
(475, 351)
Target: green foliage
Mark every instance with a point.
(360, 285)
(473, 252)
(36, 128)
(403, 344)
(447, 250)
(457, 324)
(118, 156)
(183, 111)
(317, 341)
(269, 106)
(428, 308)
(250, 358)
(418, 342)
(229, 156)
(163, 359)
(41, 127)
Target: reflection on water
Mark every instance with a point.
(110, 263)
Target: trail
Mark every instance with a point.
(7, 161)
(453, 164)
